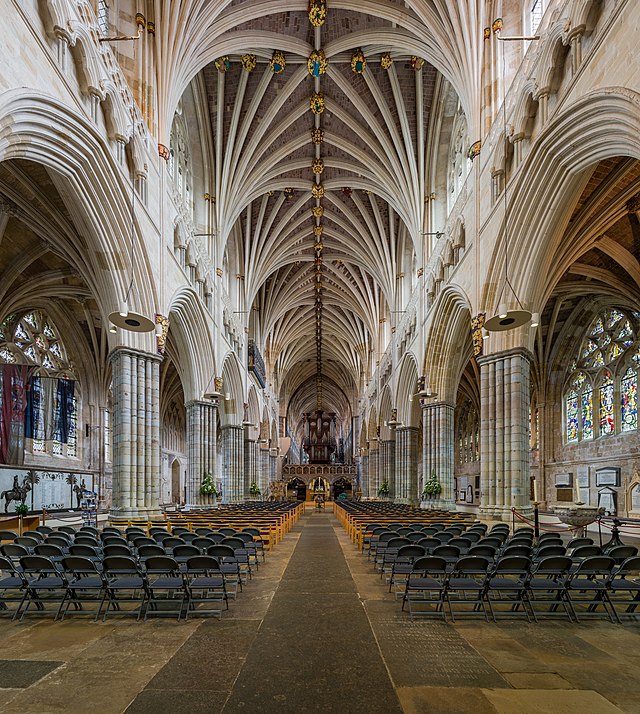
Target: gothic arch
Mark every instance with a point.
(408, 405)
(448, 343)
(31, 126)
(188, 324)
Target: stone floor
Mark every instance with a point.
(316, 631)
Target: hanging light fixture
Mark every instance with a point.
(124, 318)
(506, 319)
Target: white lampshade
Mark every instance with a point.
(535, 319)
(502, 311)
(124, 309)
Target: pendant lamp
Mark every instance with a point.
(125, 318)
(507, 318)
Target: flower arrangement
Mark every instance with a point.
(207, 487)
(432, 487)
(254, 490)
(383, 491)
(22, 509)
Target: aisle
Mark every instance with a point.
(315, 650)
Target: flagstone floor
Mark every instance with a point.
(317, 631)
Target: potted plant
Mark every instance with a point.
(21, 509)
(208, 488)
(254, 491)
(383, 491)
(432, 487)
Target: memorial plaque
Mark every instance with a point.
(608, 477)
(607, 499)
(564, 480)
(635, 498)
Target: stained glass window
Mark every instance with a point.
(587, 414)
(32, 339)
(607, 422)
(572, 417)
(610, 342)
(629, 400)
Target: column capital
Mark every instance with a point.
(116, 352)
(437, 405)
(200, 403)
(407, 428)
(237, 427)
(497, 356)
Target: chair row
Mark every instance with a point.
(202, 586)
(475, 586)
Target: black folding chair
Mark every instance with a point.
(125, 583)
(12, 586)
(44, 584)
(85, 584)
(507, 581)
(205, 585)
(623, 586)
(547, 586)
(164, 584)
(425, 587)
(467, 585)
(403, 566)
(587, 586)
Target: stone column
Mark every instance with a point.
(136, 433)
(406, 465)
(201, 448)
(263, 465)
(250, 464)
(437, 448)
(233, 454)
(364, 475)
(387, 461)
(273, 464)
(504, 442)
(374, 473)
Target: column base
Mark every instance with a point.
(438, 504)
(504, 513)
(136, 513)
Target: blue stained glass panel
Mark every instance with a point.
(587, 414)
(572, 417)
(607, 423)
(629, 397)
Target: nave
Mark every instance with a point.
(316, 630)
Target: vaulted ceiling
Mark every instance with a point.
(320, 176)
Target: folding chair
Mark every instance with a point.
(125, 583)
(467, 584)
(547, 586)
(229, 567)
(44, 584)
(12, 586)
(164, 584)
(85, 584)
(508, 581)
(403, 566)
(426, 586)
(587, 586)
(624, 586)
(205, 584)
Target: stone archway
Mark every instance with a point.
(176, 494)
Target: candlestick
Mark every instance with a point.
(535, 490)
(577, 489)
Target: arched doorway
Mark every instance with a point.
(296, 490)
(342, 485)
(175, 482)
